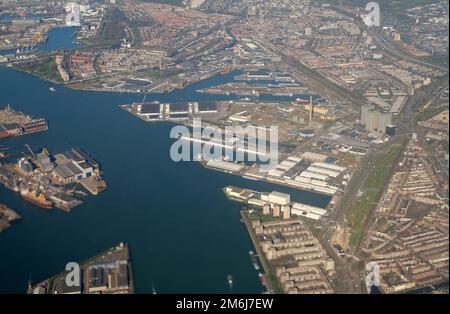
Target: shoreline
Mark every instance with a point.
(272, 282)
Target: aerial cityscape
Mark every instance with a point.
(224, 146)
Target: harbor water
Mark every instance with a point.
(184, 234)
(58, 38)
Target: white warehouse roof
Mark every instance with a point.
(329, 166)
(225, 165)
(309, 174)
(328, 172)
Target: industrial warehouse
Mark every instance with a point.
(14, 123)
(297, 172)
(178, 111)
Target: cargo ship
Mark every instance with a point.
(37, 199)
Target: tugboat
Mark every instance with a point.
(230, 281)
(37, 199)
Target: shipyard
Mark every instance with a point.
(50, 181)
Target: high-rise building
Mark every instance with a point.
(374, 119)
(276, 210)
(266, 209)
(390, 130)
(308, 31)
(286, 212)
(384, 119)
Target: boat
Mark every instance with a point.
(302, 101)
(230, 280)
(37, 199)
(52, 89)
(253, 258)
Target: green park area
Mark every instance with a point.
(379, 174)
(45, 68)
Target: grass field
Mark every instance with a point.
(111, 30)
(372, 189)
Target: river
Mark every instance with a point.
(184, 234)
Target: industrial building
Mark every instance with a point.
(43, 160)
(25, 165)
(279, 198)
(225, 165)
(276, 203)
(155, 111)
(73, 166)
